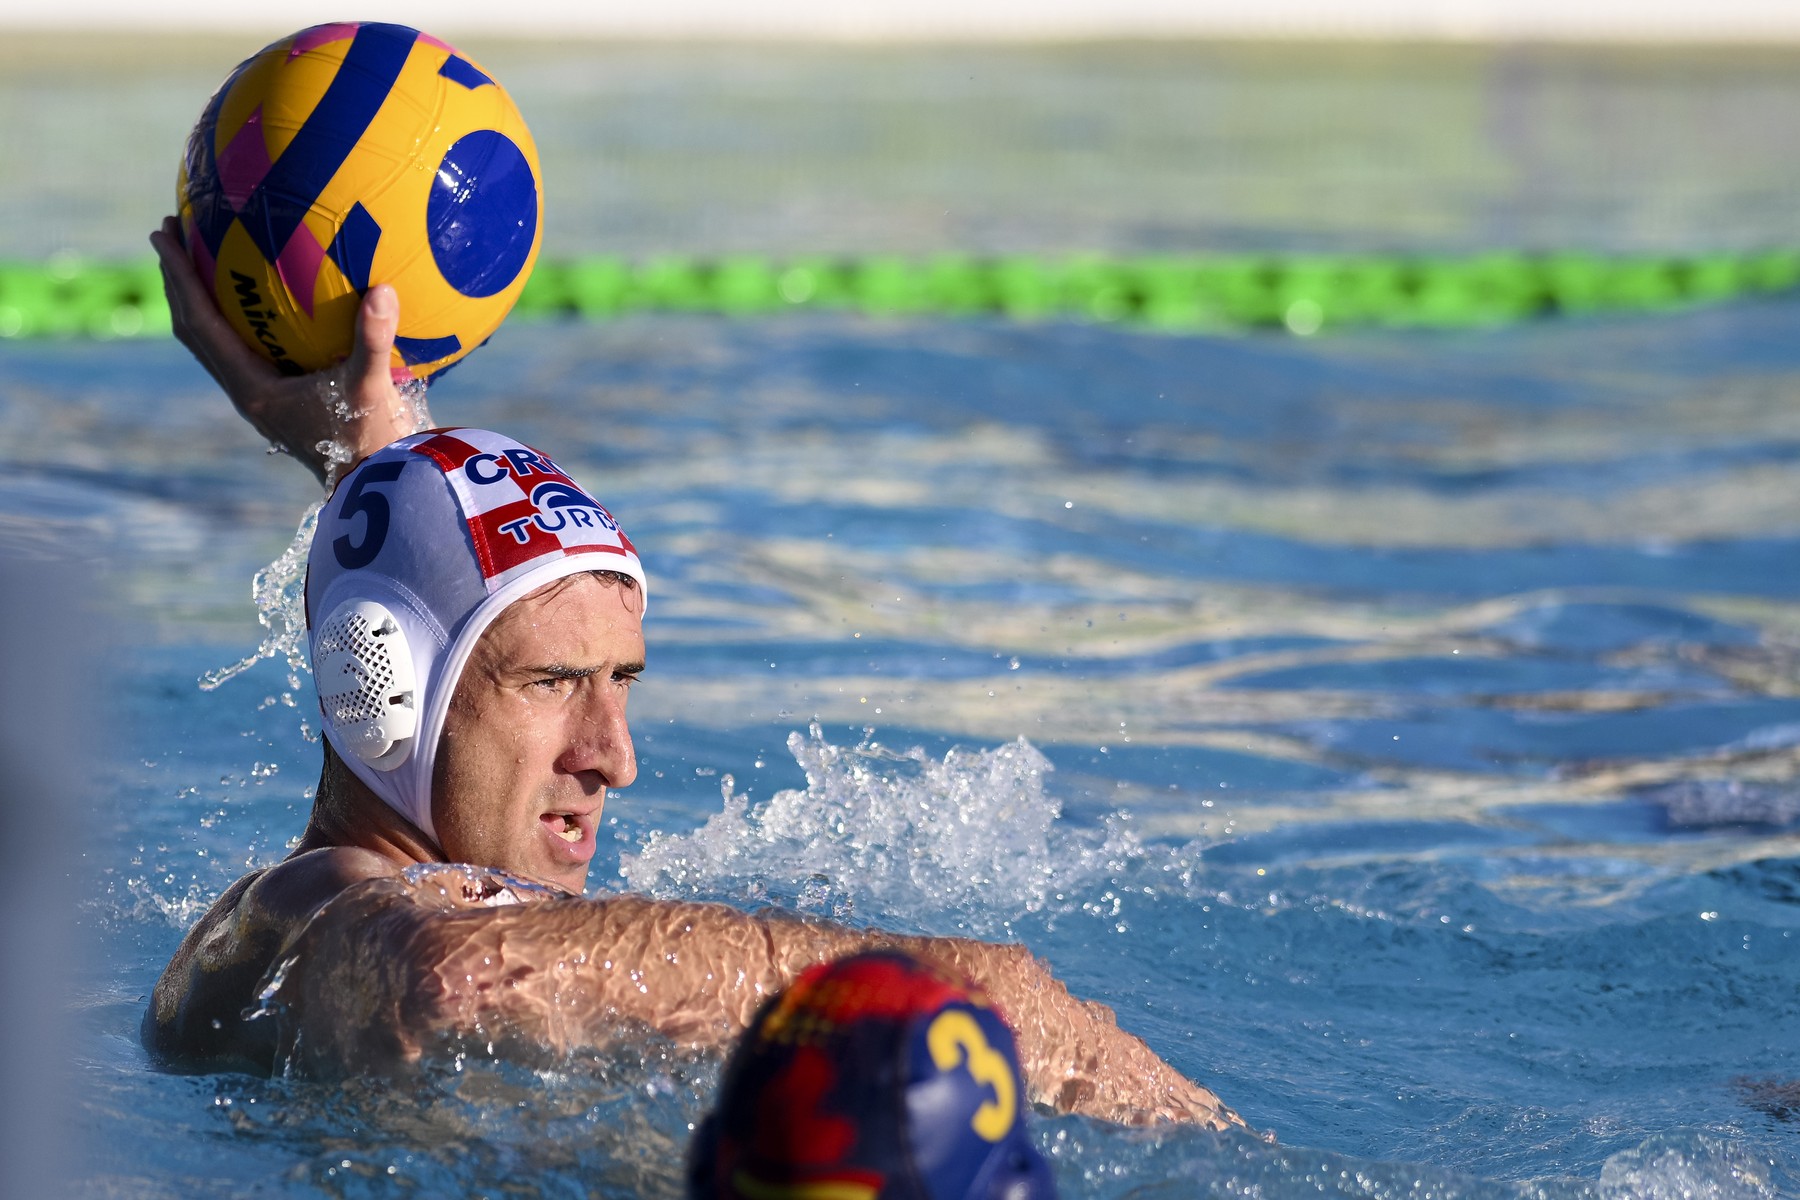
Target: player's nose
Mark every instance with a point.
(600, 741)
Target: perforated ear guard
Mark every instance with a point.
(364, 670)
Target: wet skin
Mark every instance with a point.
(383, 947)
(536, 731)
(380, 958)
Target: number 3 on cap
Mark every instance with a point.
(954, 1036)
(374, 508)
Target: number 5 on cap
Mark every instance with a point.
(374, 508)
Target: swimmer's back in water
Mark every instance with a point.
(436, 889)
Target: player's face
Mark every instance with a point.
(536, 731)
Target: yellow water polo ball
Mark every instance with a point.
(350, 155)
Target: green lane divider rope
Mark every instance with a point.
(1302, 294)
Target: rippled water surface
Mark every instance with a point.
(1400, 730)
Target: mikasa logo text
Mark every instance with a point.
(250, 303)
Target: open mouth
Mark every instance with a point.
(573, 833)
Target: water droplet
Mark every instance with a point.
(280, 593)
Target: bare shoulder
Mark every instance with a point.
(198, 1014)
(293, 890)
(390, 965)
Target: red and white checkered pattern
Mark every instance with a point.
(521, 508)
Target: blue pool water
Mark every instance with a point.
(1401, 731)
(1446, 828)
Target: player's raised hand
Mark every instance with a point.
(328, 419)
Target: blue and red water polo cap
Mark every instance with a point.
(875, 1077)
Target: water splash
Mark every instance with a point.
(279, 590)
(141, 900)
(899, 836)
(1689, 1167)
(266, 1005)
(411, 412)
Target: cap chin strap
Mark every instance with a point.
(364, 670)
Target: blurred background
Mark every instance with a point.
(863, 128)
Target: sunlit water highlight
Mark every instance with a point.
(1401, 732)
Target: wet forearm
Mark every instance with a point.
(697, 973)
(1073, 1053)
(569, 973)
(572, 973)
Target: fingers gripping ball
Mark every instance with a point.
(355, 154)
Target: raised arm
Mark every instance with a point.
(329, 419)
(392, 966)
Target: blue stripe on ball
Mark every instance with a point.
(353, 249)
(337, 123)
(461, 70)
(424, 350)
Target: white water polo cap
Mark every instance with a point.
(416, 552)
